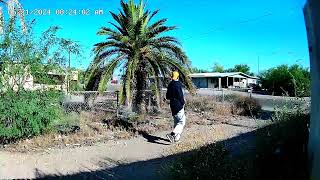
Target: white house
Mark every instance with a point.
(223, 80)
(31, 82)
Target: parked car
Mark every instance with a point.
(254, 87)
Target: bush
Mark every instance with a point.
(284, 80)
(246, 106)
(25, 113)
(200, 103)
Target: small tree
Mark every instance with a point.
(244, 68)
(284, 80)
(71, 47)
(24, 112)
(198, 70)
(13, 7)
(218, 68)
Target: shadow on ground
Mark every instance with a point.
(154, 139)
(275, 156)
(151, 169)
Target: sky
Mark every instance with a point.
(227, 32)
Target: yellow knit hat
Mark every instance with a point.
(175, 75)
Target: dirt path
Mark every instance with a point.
(138, 158)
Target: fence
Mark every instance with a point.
(107, 101)
(91, 101)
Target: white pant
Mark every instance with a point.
(179, 122)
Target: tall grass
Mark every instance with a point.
(279, 154)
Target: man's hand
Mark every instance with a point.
(166, 100)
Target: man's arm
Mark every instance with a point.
(181, 96)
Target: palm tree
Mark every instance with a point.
(13, 6)
(144, 51)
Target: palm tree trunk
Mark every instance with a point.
(158, 93)
(139, 104)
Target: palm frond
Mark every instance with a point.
(177, 51)
(184, 72)
(165, 39)
(154, 13)
(107, 31)
(108, 72)
(146, 51)
(157, 24)
(159, 30)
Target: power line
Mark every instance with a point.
(243, 22)
(232, 24)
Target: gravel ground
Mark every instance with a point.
(137, 158)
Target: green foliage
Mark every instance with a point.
(27, 113)
(244, 68)
(284, 80)
(218, 68)
(142, 47)
(25, 58)
(197, 70)
(65, 124)
(13, 6)
(78, 85)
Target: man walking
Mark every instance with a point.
(175, 95)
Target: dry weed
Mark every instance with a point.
(198, 140)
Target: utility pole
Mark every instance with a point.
(69, 72)
(258, 65)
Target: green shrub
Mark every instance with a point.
(27, 113)
(284, 80)
(67, 123)
(246, 106)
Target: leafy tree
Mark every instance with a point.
(14, 8)
(284, 80)
(218, 68)
(244, 68)
(198, 70)
(141, 46)
(78, 85)
(25, 113)
(71, 47)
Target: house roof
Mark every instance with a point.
(216, 74)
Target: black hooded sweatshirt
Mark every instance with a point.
(175, 95)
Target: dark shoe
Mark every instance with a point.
(170, 138)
